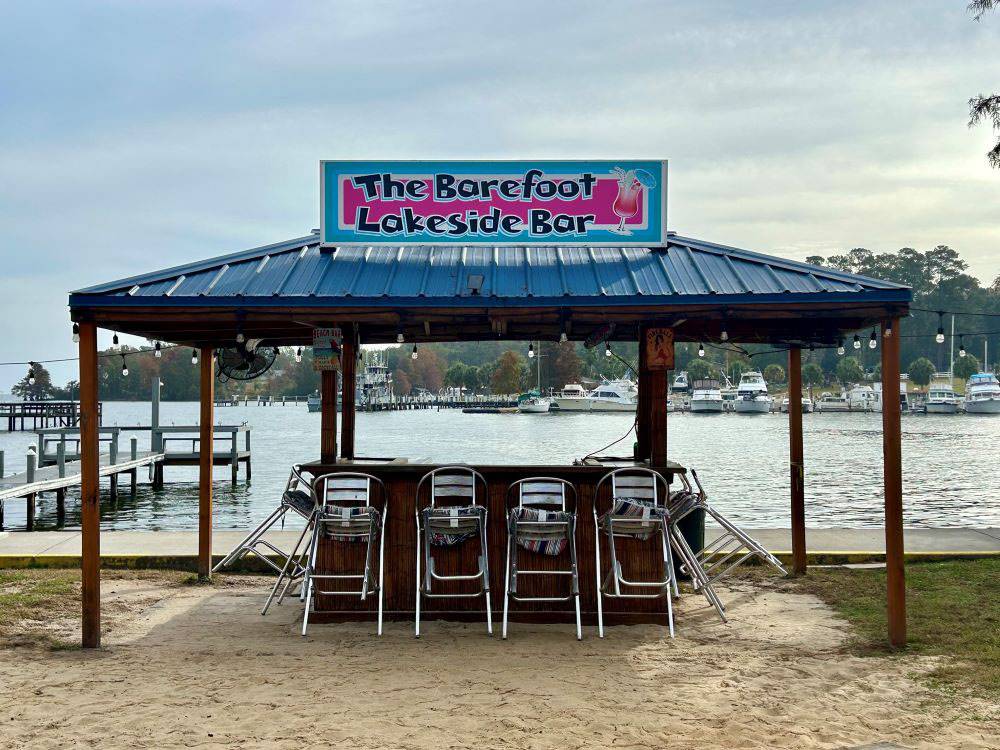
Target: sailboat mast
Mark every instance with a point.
(539, 385)
(951, 355)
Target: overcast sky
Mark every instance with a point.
(139, 135)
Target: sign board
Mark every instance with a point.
(617, 203)
(326, 348)
(659, 348)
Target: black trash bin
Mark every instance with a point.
(692, 528)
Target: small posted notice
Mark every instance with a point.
(327, 344)
(660, 348)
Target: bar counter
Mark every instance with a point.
(401, 477)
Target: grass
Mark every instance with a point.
(953, 610)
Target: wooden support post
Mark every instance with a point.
(642, 414)
(249, 473)
(892, 461)
(658, 418)
(234, 457)
(328, 417)
(90, 505)
(349, 360)
(205, 461)
(795, 461)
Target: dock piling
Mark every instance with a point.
(30, 473)
(113, 459)
(134, 445)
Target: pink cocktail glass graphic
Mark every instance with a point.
(630, 185)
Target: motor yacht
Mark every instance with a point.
(751, 394)
(706, 397)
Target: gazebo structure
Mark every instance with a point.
(699, 291)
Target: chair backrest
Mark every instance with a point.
(344, 489)
(453, 485)
(544, 492)
(297, 480)
(637, 483)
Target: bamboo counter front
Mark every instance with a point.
(401, 477)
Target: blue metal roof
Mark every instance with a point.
(298, 273)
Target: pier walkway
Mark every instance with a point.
(179, 549)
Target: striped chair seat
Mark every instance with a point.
(350, 523)
(448, 526)
(540, 530)
(300, 501)
(681, 502)
(634, 517)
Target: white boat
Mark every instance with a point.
(982, 394)
(314, 402)
(830, 402)
(904, 399)
(807, 405)
(681, 382)
(861, 398)
(611, 395)
(534, 405)
(941, 398)
(751, 394)
(706, 397)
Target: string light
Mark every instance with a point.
(31, 374)
(76, 333)
(872, 341)
(888, 329)
(156, 350)
(607, 349)
(298, 354)
(240, 338)
(961, 347)
(400, 338)
(940, 334)
(194, 356)
(840, 347)
(531, 351)
(114, 340)
(414, 354)
(701, 350)
(724, 335)
(563, 338)
(857, 341)
(124, 367)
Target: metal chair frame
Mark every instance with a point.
(715, 557)
(541, 493)
(250, 543)
(448, 483)
(347, 490)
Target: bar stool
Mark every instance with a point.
(637, 510)
(296, 498)
(542, 521)
(345, 513)
(453, 516)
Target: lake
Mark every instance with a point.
(950, 476)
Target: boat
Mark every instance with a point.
(904, 399)
(680, 382)
(706, 397)
(807, 405)
(830, 402)
(610, 395)
(314, 402)
(751, 394)
(982, 394)
(861, 398)
(374, 382)
(941, 398)
(533, 402)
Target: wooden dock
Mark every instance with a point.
(32, 415)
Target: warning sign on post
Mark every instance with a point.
(327, 344)
(660, 348)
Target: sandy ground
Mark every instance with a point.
(199, 667)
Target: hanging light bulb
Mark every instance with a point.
(76, 333)
(531, 351)
(298, 354)
(724, 335)
(124, 367)
(940, 333)
(114, 340)
(701, 350)
(156, 350)
(563, 338)
(887, 333)
(400, 338)
(31, 374)
(840, 347)
(857, 341)
(414, 354)
(872, 342)
(194, 356)
(607, 349)
(240, 338)
(961, 347)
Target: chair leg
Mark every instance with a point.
(381, 574)
(668, 560)
(506, 587)
(284, 571)
(597, 566)
(308, 583)
(671, 575)
(485, 569)
(419, 553)
(575, 580)
(250, 539)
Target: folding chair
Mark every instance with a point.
(717, 557)
(296, 498)
(453, 516)
(542, 521)
(345, 513)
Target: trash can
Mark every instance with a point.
(692, 528)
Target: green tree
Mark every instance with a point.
(508, 374)
(701, 369)
(40, 389)
(774, 374)
(473, 378)
(986, 108)
(456, 375)
(965, 367)
(849, 371)
(812, 375)
(921, 371)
